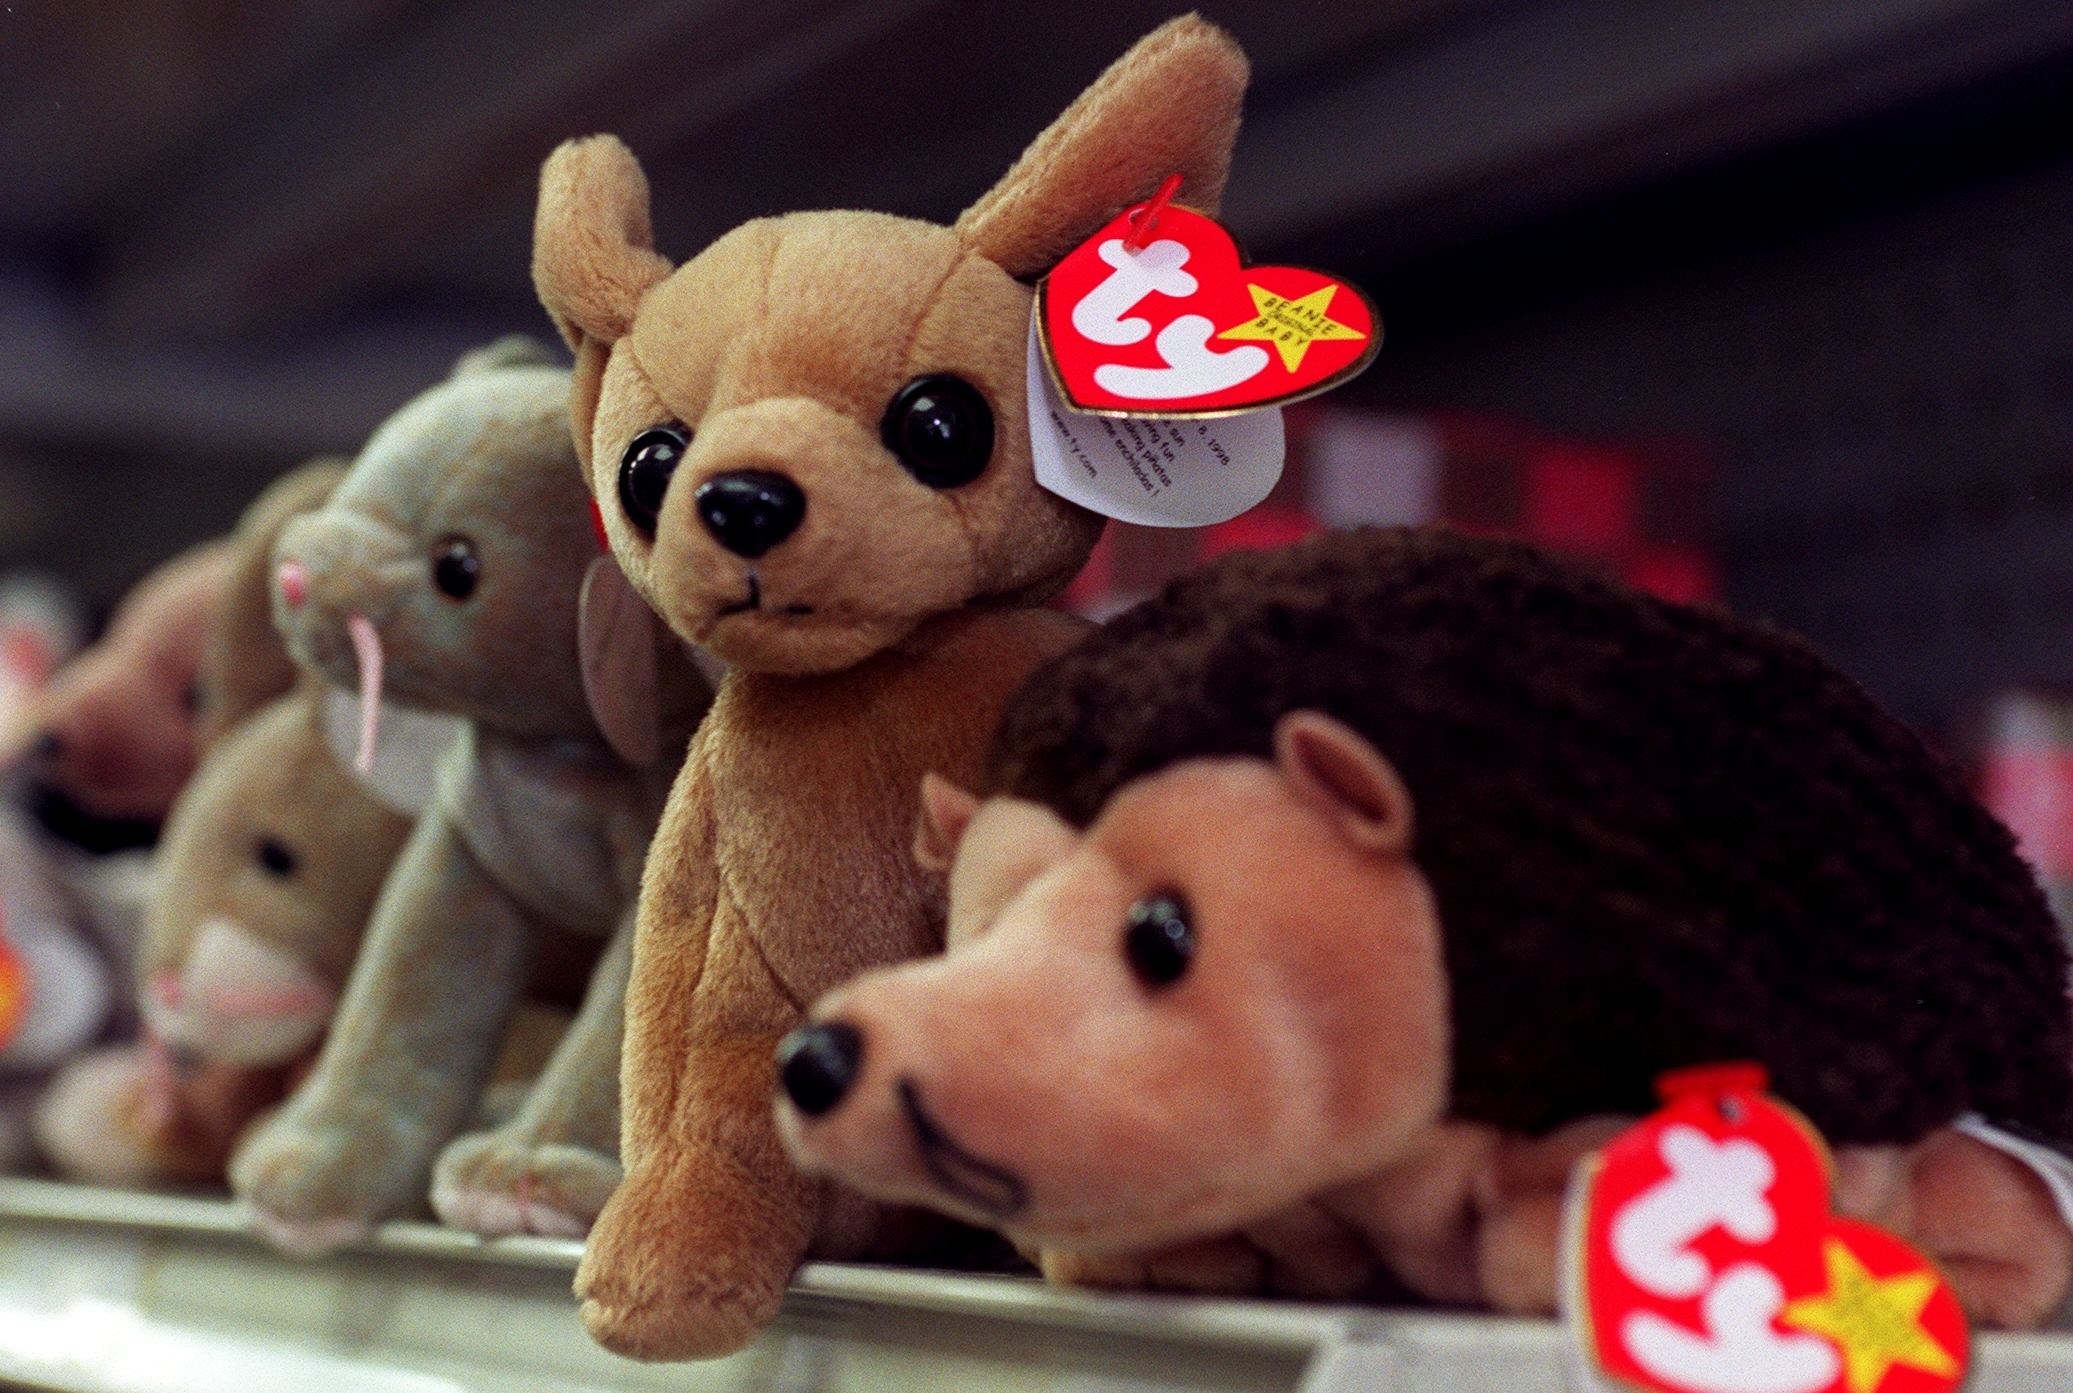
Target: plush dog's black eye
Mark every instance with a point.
(1158, 940)
(941, 428)
(456, 568)
(644, 474)
(274, 857)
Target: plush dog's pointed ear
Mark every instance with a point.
(1168, 106)
(946, 811)
(1334, 767)
(593, 250)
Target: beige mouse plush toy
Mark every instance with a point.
(810, 444)
(270, 865)
(446, 572)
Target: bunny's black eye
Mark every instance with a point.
(645, 471)
(941, 428)
(456, 568)
(274, 858)
(1159, 942)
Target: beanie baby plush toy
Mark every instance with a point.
(811, 448)
(93, 759)
(446, 571)
(271, 861)
(105, 747)
(1324, 909)
(113, 739)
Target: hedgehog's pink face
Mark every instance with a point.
(1227, 993)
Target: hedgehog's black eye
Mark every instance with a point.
(644, 474)
(1159, 942)
(456, 568)
(274, 857)
(941, 428)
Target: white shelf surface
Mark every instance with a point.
(102, 1292)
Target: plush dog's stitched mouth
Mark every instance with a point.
(743, 606)
(753, 603)
(992, 1189)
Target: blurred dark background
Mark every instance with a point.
(1828, 243)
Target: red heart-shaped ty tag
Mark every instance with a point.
(1704, 1258)
(1180, 326)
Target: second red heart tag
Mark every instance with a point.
(1704, 1259)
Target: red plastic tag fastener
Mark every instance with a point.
(1712, 1081)
(1147, 221)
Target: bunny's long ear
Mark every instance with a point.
(593, 250)
(1168, 106)
(244, 665)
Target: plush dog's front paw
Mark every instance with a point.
(690, 1259)
(311, 1188)
(497, 1184)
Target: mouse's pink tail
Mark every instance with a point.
(367, 649)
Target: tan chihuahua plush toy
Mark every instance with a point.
(446, 571)
(811, 448)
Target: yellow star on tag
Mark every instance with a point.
(1877, 1321)
(1292, 325)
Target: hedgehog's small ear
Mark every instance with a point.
(1335, 768)
(946, 811)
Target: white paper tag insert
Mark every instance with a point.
(1182, 472)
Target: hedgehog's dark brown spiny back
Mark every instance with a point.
(1658, 836)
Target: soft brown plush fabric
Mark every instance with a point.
(535, 836)
(1471, 848)
(871, 644)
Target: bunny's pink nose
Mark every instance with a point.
(294, 580)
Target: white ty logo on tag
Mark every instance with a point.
(1156, 472)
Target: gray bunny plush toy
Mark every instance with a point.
(448, 573)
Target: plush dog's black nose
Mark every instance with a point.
(818, 1065)
(47, 747)
(750, 510)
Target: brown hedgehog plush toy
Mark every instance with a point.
(1328, 907)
